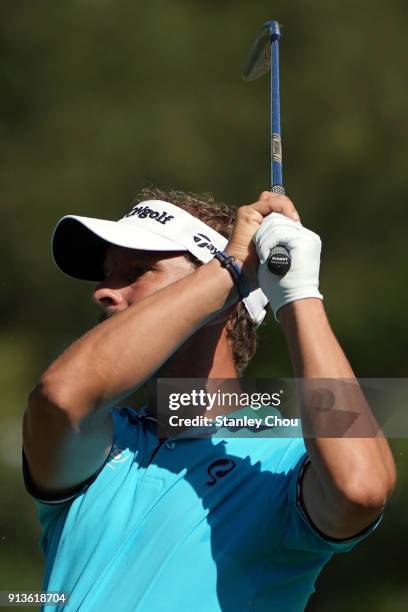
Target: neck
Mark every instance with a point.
(205, 355)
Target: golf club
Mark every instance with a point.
(264, 56)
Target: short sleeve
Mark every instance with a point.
(50, 499)
(301, 533)
(53, 509)
(50, 504)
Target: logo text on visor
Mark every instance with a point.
(204, 242)
(144, 212)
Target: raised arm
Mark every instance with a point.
(349, 478)
(67, 425)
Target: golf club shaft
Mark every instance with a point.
(276, 146)
(279, 258)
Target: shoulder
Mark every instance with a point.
(127, 434)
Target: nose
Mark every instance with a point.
(106, 297)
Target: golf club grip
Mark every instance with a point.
(279, 258)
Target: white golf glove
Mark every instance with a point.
(302, 280)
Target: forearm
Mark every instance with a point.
(349, 465)
(118, 355)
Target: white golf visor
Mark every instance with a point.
(79, 244)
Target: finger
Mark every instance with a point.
(272, 202)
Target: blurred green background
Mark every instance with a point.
(99, 98)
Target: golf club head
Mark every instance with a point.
(259, 59)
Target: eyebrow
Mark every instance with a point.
(141, 257)
(146, 257)
(153, 256)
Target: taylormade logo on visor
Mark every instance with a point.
(145, 211)
(204, 242)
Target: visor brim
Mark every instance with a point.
(79, 244)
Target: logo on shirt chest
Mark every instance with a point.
(117, 455)
(219, 469)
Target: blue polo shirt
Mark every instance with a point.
(203, 524)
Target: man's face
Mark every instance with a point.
(132, 275)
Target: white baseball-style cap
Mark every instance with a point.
(79, 243)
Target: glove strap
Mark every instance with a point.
(228, 262)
